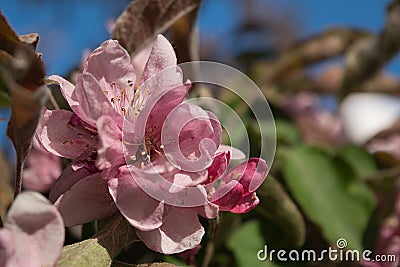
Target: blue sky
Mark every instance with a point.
(66, 28)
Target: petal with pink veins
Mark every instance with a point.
(180, 231)
(87, 200)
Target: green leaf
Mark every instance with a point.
(115, 233)
(286, 132)
(246, 242)
(330, 193)
(359, 159)
(277, 207)
(86, 253)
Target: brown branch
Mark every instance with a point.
(369, 55)
(331, 43)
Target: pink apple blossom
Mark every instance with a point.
(99, 181)
(33, 233)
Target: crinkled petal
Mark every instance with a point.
(93, 101)
(111, 65)
(246, 204)
(37, 232)
(141, 210)
(87, 200)
(180, 231)
(109, 151)
(227, 196)
(54, 134)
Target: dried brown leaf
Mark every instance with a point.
(23, 72)
(143, 19)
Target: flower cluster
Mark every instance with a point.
(128, 125)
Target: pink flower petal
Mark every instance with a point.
(218, 167)
(190, 137)
(142, 211)
(67, 90)
(140, 59)
(250, 174)
(87, 200)
(110, 64)
(54, 134)
(93, 101)
(162, 56)
(180, 231)
(33, 234)
(209, 211)
(109, 149)
(246, 204)
(228, 195)
(234, 152)
(74, 172)
(41, 169)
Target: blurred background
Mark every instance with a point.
(330, 73)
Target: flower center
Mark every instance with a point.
(87, 134)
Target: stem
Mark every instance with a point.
(52, 101)
(18, 176)
(209, 254)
